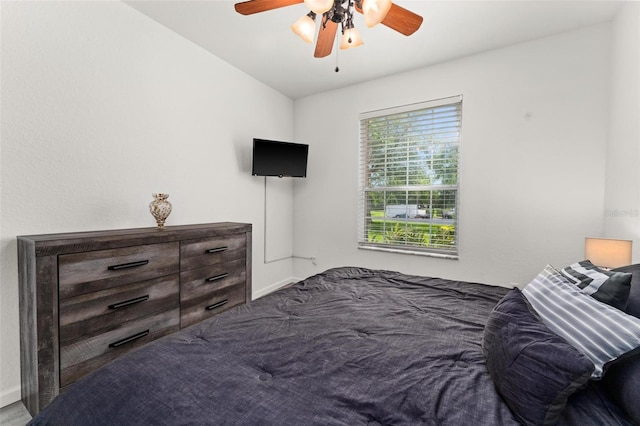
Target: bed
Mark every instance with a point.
(349, 346)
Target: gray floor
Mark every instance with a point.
(14, 415)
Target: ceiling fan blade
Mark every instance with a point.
(400, 19)
(326, 39)
(255, 6)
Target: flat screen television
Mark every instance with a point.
(282, 159)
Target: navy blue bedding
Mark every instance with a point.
(349, 346)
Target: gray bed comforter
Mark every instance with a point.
(350, 346)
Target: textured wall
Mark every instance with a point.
(622, 201)
(101, 107)
(534, 132)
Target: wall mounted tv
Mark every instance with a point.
(282, 159)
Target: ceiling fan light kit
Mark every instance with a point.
(350, 38)
(375, 11)
(339, 13)
(305, 27)
(319, 6)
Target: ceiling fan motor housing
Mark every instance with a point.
(339, 11)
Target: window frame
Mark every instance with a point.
(364, 216)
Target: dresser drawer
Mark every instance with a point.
(87, 354)
(199, 253)
(202, 282)
(106, 310)
(194, 311)
(82, 273)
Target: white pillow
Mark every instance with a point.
(598, 330)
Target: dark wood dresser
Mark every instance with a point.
(88, 297)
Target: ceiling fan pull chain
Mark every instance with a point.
(337, 53)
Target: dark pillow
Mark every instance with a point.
(622, 383)
(622, 380)
(608, 287)
(633, 304)
(533, 369)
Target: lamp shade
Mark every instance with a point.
(374, 11)
(350, 38)
(608, 253)
(319, 6)
(305, 28)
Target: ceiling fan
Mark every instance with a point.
(339, 12)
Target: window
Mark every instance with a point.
(409, 177)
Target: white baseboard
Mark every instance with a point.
(273, 287)
(9, 396)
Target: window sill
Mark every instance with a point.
(410, 252)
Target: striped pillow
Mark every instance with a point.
(608, 287)
(597, 330)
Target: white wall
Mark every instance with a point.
(622, 201)
(101, 107)
(535, 122)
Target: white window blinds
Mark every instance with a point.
(409, 177)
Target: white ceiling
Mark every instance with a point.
(263, 45)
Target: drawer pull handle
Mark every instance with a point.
(129, 302)
(217, 277)
(217, 305)
(217, 249)
(129, 339)
(127, 265)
